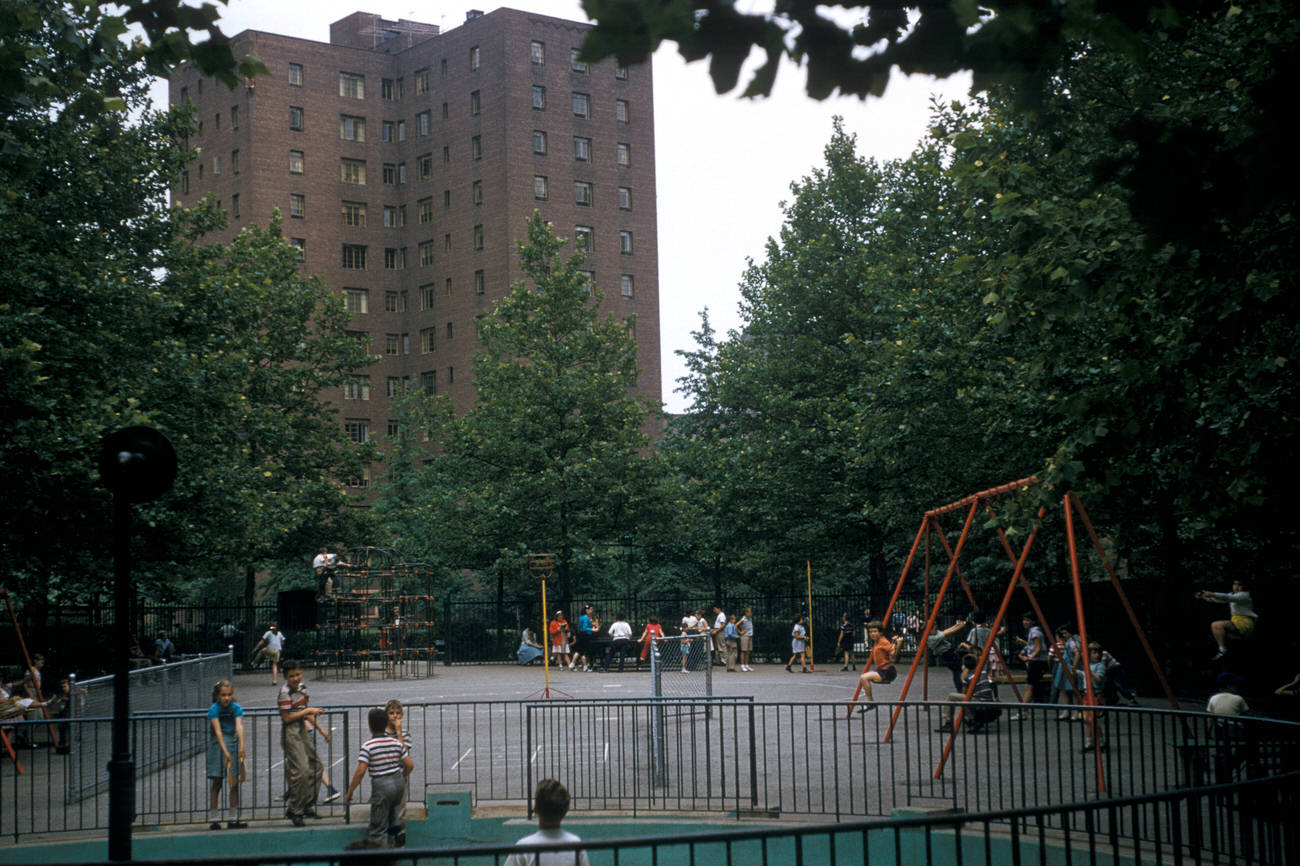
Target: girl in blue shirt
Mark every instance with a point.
(225, 752)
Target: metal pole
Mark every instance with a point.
(121, 769)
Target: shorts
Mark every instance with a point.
(1243, 624)
(272, 656)
(888, 675)
(746, 643)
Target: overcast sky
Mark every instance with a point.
(725, 164)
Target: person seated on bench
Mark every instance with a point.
(975, 717)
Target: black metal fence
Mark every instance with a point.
(739, 758)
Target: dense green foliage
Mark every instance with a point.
(1101, 293)
(552, 456)
(116, 311)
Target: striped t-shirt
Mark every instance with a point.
(383, 754)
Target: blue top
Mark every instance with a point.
(729, 631)
(584, 624)
(227, 715)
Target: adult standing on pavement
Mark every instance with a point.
(746, 629)
(719, 641)
(621, 634)
(689, 625)
(586, 631)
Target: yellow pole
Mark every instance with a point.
(812, 647)
(546, 643)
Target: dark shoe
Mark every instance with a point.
(787, 669)
(868, 708)
(314, 815)
(399, 841)
(332, 795)
(296, 820)
(237, 825)
(363, 844)
(215, 825)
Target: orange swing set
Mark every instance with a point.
(972, 505)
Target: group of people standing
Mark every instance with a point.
(725, 639)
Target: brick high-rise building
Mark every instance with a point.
(406, 161)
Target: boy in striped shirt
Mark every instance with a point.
(387, 761)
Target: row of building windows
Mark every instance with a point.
(352, 85)
(359, 387)
(355, 257)
(353, 128)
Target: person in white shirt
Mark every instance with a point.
(1226, 701)
(719, 642)
(621, 632)
(273, 641)
(1241, 615)
(551, 803)
(690, 623)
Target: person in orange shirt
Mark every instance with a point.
(880, 666)
(559, 629)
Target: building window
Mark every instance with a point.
(216, 120)
(393, 386)
(299, 244)
(621, 110)
(446, 241)
(584, 238)
(539, 97)
(446, 199)
(295, 117)
(390, 173)
(234, 162)
(216, 165)
(480, 283)
(473, 102)
(538, 52)
(446, 155)
(539, 142)
(392, 429)
(401, 130)
(295, 75)
(474, 57)
(625, 285)
(625, 243)
(428, 340)
(575, 64)
(451, 375)
(444, 111)
(354, 257)
(352, 171)
(356, 301)
(620, 72)
(426, 254)
(424, 164)
(234, 205)
(540, 190)
(234, 117)
(395, 258)
(448, 287)
(392, 344)
(429, 381)
(476, 147)
(361, 481)
(295, 162)
(390, 303)
(476, 192)
(185, 181)
(581, 149)
(352, 128)
(624, 198)
(478, 237)
(354, 213)
(623, 154)
(590, 276)
(393, 217)
(357, 388)
(449, 331)
(423, 124)
(352, 86)
(401, 172)
(582, 193)
(421, 81)
(387, 130)
(358, 430)
(581, 105)
(426, 210)
(389, 88)
(427, 295)
(297, 205)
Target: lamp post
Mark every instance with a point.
(139, 465)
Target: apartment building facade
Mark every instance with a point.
(405, 162)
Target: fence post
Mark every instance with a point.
(528, 752)
(446, 630)
(753, 762)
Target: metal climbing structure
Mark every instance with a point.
(377, 617)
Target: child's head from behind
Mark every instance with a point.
(378, 720)
(551, 802)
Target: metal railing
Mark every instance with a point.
(746, 758)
